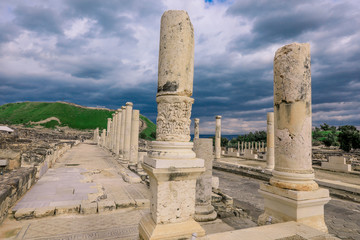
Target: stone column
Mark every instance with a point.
(127, 137)
(171, 164)
(196, 128)
(252, 145)
(103, 138)
(96, 135)
(122, 131)
(117, 132)
(204, 211)
(218, 137)
(134, 141)
(270, 158)
(262, 147)
(108, 132)
(242, 146)
(238, 147)
(292, 194)
(113, 129)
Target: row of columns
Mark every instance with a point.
(121, 136)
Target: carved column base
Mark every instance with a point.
(283, 205)
(204, 213)
(294, 181)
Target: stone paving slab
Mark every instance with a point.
(117, 225)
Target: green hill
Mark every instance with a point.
(70, 115)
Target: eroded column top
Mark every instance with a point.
(292, 72)
(176, 54)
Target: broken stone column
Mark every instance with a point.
(134, 141)
(171, 163)
(270, 158)
(218, 137)
(292, 194)
(117, 132)
(204, 211)
(122, 131)
(127, 137)
(196, 128)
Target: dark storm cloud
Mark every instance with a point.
(38, 19)
(105, 53)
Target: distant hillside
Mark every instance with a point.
(61, 114)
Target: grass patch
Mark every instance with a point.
(149, 132)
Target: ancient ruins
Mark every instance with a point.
(108, 183)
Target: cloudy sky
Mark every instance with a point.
(105, 53)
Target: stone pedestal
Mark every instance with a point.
(336, 163)
(293, 193)
(173, 169)
(218, 137)
(270, 158)
(204, 211)
(134, 141)
(283, 205)
(171, 163)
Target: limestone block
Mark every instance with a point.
(106, 205)
(336, 163)
(44, 212)
(282, 205)
(24, 213)
(88, 207)
(67, 209)
(124, 203)
(148, 229)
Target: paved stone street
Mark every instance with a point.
(341, 217)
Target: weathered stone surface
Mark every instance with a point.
(176, 55)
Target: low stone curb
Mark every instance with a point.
(86, 207)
